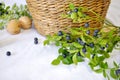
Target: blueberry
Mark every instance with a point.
(8, 53)
(84, 50)
(107, 45)
(76, 10)
(117, 72)
(87, 25)
(0, 4)
(68, 37)
(64, 55)
(79, 40)
(88, 32)
(60, 33)
(96, 31)
(82, 43)
(0, 13)
(78, 54)
(95, 34)
(91, 45)
(6, 12)
(35, 42)
(35, 38)
(93, 56)
(102, 48)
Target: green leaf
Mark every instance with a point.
(77, 45)
(60, 57)
(80, 14)
(55, 62)
(79, 20)
(61, 50)
(107, 55)
(115, 64)
(82, 53)
(58, 38)
(74, 32)
(71, 6)
(104, 65)
(101, 58)
(89, 49)
(74, 58)
(64, 16)
(88, 55)
(73, 51)
(104, 73)
(65, 44)
(65, 61)
(84, 9)
(74, 15)
(8, 7)
(82, 37)
(93, 63)
(80, 59)
(103, 42)
(57, 43)
(108, 77)
(46, 42)
(98, 70)
(70, 59)
(112, 73)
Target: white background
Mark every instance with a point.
(32, 62)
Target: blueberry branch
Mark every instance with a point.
(82, 44)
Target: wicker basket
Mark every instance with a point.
(47, 14)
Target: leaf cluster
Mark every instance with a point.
(12, 12)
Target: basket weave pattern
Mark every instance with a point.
(47, 14)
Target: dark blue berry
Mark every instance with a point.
(87, 25)
(35, 38)
(93, 56)
(78, 54)
(106, 45)
(79, 40)
(88, 32)
(76, 10)
(64, 55)
(35, 42)
(68, 38)
(8, 53)
(117, 72)
(60, 33)
(0, 4)
(96, 31)
(102, 48)
(91, 45)
(95, 34)
(6, 12)
(0, 13)
(82, 43)
(84, 50)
